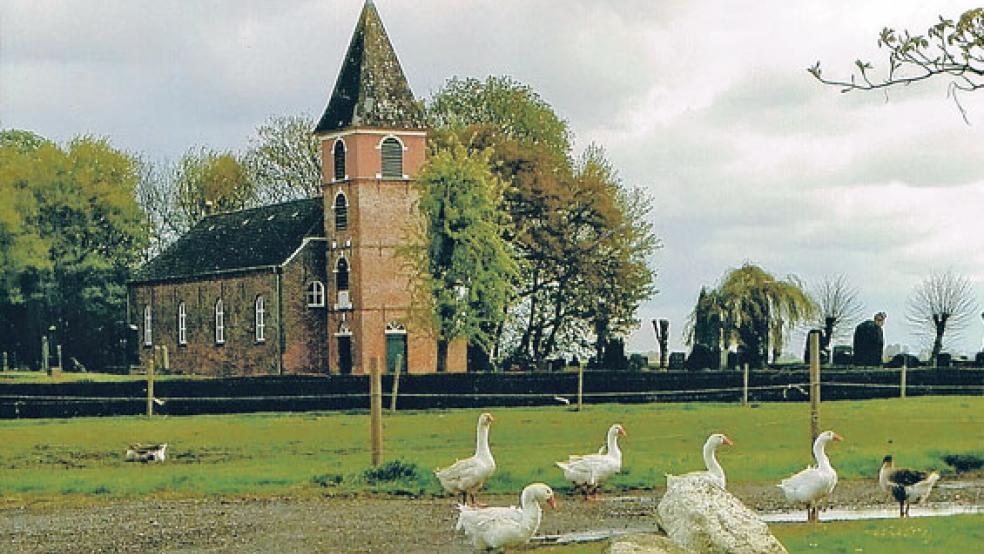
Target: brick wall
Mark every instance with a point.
(301, 329)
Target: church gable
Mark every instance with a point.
(260, 237)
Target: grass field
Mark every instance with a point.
(885, 536)
(294, 453)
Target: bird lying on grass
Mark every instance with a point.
(905, 485)
(146, 452)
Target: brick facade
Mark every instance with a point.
(294, 334)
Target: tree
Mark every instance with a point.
(464, 267)
(758, 311)
(949, 48)
(941, 307)
(704, 330)
(86, 234)
(838, 308)
(284, 159)
(22, 249)
(564, 216)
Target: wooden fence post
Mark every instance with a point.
(744, 386)
(150, 383)
(814, 385)
(396, 382)
(580, 387)
(375, 411)
(902, 385)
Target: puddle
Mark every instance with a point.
(932, 510)
(593, 535)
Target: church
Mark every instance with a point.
(313, 285)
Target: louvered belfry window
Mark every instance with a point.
(341, 212)
(339, 154)
(392, 153)
(342, 275)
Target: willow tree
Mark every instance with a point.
(940, 308)
(758, 311)
(464, 267)
(839, 308)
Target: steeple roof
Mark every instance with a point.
(371, 89)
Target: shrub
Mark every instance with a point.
(964, 462)
(391, 471)
(327, 479)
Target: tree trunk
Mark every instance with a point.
(940, 324)
(442, 355)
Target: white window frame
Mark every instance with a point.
(148, 326)
(334, 170)
(219, 322)
(334, 210)
(403, 157)
(316, 294)
(259, 311)
(348, 271)
(182, 324)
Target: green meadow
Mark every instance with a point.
(883, 536)
(330, 452)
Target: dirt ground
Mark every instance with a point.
(347, 524)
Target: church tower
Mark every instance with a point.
(373, 144)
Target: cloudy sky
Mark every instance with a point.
(705, 104)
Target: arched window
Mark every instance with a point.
(219, 323)
(148, 327)
(341, 212)
(338, 153)
(182, 324)
(342, 274)
(392, 158)
(316, 295)
(259, 314)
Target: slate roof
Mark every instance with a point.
(259, 237)
(371, 89)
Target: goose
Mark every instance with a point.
(492, 528)
(813, 483)
(466, 476)
(714, 473)
(146, 452)
(587, 472)
(905, 485)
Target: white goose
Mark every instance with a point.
(588, 472)
(491, 528)
(714, 473)
(813, 483)
(466, 476)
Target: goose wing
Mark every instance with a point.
(906, 477)
(463, 474)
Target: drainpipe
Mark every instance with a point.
(280, 321)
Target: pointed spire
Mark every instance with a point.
(371, 89)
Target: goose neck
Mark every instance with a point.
(820, 454)
(710, 460)
(482, 442)
(613, 445)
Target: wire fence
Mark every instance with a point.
(172, 400)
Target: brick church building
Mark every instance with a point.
(314, 285)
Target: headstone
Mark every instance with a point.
(677, 360)
(944, 359)
(869, 344)
(843, 355)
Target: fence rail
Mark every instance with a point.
(335, 392)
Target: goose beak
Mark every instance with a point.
(553, 502)
(491, 418)
(621, 432)
(838, 437)
(728, 442)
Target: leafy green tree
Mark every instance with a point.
(758, 311)
(562, 216)
(284, 159)
(467, 266)
(207, 181)
(89, 231)
(948, 49)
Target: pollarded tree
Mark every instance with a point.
(758, 310)
(464, 269)
(940, 308)
(838, 308)
(953, 49)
